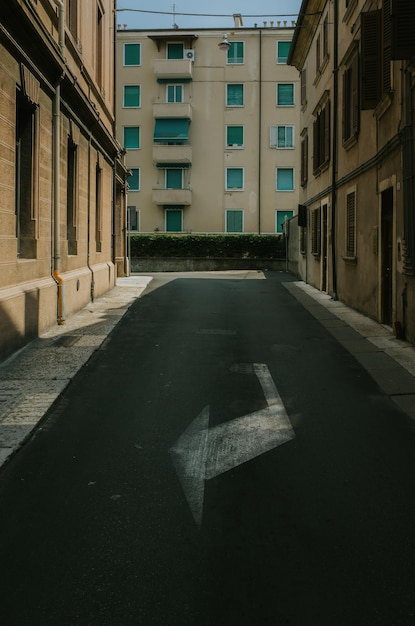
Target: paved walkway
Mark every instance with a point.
(33, 378)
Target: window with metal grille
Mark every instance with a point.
(315, 231)
(351, 224)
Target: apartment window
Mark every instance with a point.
(71, 195)
(72, 16)
(98, 207)
(25, 168)
(100, 46)
(285, 179)
(234, 178)
(280, 218)
(172, 131)
(351, 111)
(351, 224)
(282, 137)
(234, 136)
(303, 87)
(285, 94)
(132, 54)
(133, 218)
(234, 95)
(234, 221)
(174, 93)
(132, 96)
(134, 179)
(131, 137)
(402, 36)
(326, 37)
(175, 50)
(174, 179)
(174, 220)
(283, 48)
(318, 53)
(315, 231)
(236, 52)
(321, 138)
(304, 159)
(376, 55)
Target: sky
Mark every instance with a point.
(216, 13)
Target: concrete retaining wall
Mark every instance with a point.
(148, 264)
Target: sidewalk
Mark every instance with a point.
(33, 378)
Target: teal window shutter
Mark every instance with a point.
(174, 178)
(235, 135)
(132, 54)
(285, 137)
(283, 48)
(285, 94)
(285, 179)
(131, 137)
(234, 95)
(280, 219)
(134, 180)
(131, 95)
(171, 130)
(236, 52)
(234, 221)
(234, 178)
(175, 50)
(174, 220)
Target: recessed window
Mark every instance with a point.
(134, 179)
(351, 224)
(234, 95)
(234, 136)
(280, 218)
(282, 136)
(174, 178)
(132, 54)
(174, 93)
(235, 52)
(131, 96)
(174, 220)
(285, 179)
(234, 178)
(234, 221)
(283, 48)
(133, 217)
(175, 50)
(131, 137)
(285, 94)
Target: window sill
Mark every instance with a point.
(350, 141)
(350, 260)
(384, 104)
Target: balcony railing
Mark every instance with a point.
(181, 153)
(172, 109)
(173, 68)
(172, 197)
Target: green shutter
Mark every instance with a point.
(174, 221)
(174, 179)
(235, 135)
(134, 179)
(285, 94)
(234, 178)
(235, 95)
(285, 179)
(234, 221)
(175, 50)
(283, 50)
(131, 95)
(171, 130)
(236, 52)
(131, 137)
(132, 54)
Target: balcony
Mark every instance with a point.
(172, 109)
(172, 197)
(171, 154)
(169, 69)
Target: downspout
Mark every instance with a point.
(259, 132)
(335, 139)
(56, 174)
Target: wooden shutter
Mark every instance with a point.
(403, 29)
(386, 46)
(355, 95)
(371, 53)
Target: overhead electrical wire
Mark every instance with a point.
(204, 14)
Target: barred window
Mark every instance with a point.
(315, 231)
(351, 224)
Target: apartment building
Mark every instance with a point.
(62, 178)
(209, 119)
(357, 218)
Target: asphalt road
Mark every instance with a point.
(110, 516)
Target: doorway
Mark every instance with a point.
(387, 256)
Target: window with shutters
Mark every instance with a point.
(315, 231)
(351, 111)
(321, 136)
(303, 87)
(376, 44)
(351, 224)
(281, 137)
(402, 29)
(71, 195)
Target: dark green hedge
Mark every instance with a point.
(208, 246)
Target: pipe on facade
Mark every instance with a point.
(259, 132)
(334, 145)
(56, 174)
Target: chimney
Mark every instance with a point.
(237, 19)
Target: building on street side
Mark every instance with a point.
(357, 206)
(62, 180)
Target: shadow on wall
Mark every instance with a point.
(19, 325)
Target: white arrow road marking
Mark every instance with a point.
(201, 453)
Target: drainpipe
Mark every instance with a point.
(259, 132)
(56, 174)
(335, 139)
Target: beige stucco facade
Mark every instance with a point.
(61, 174)
(358, 241)
(228, 167)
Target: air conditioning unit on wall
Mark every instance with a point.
(189, 54)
